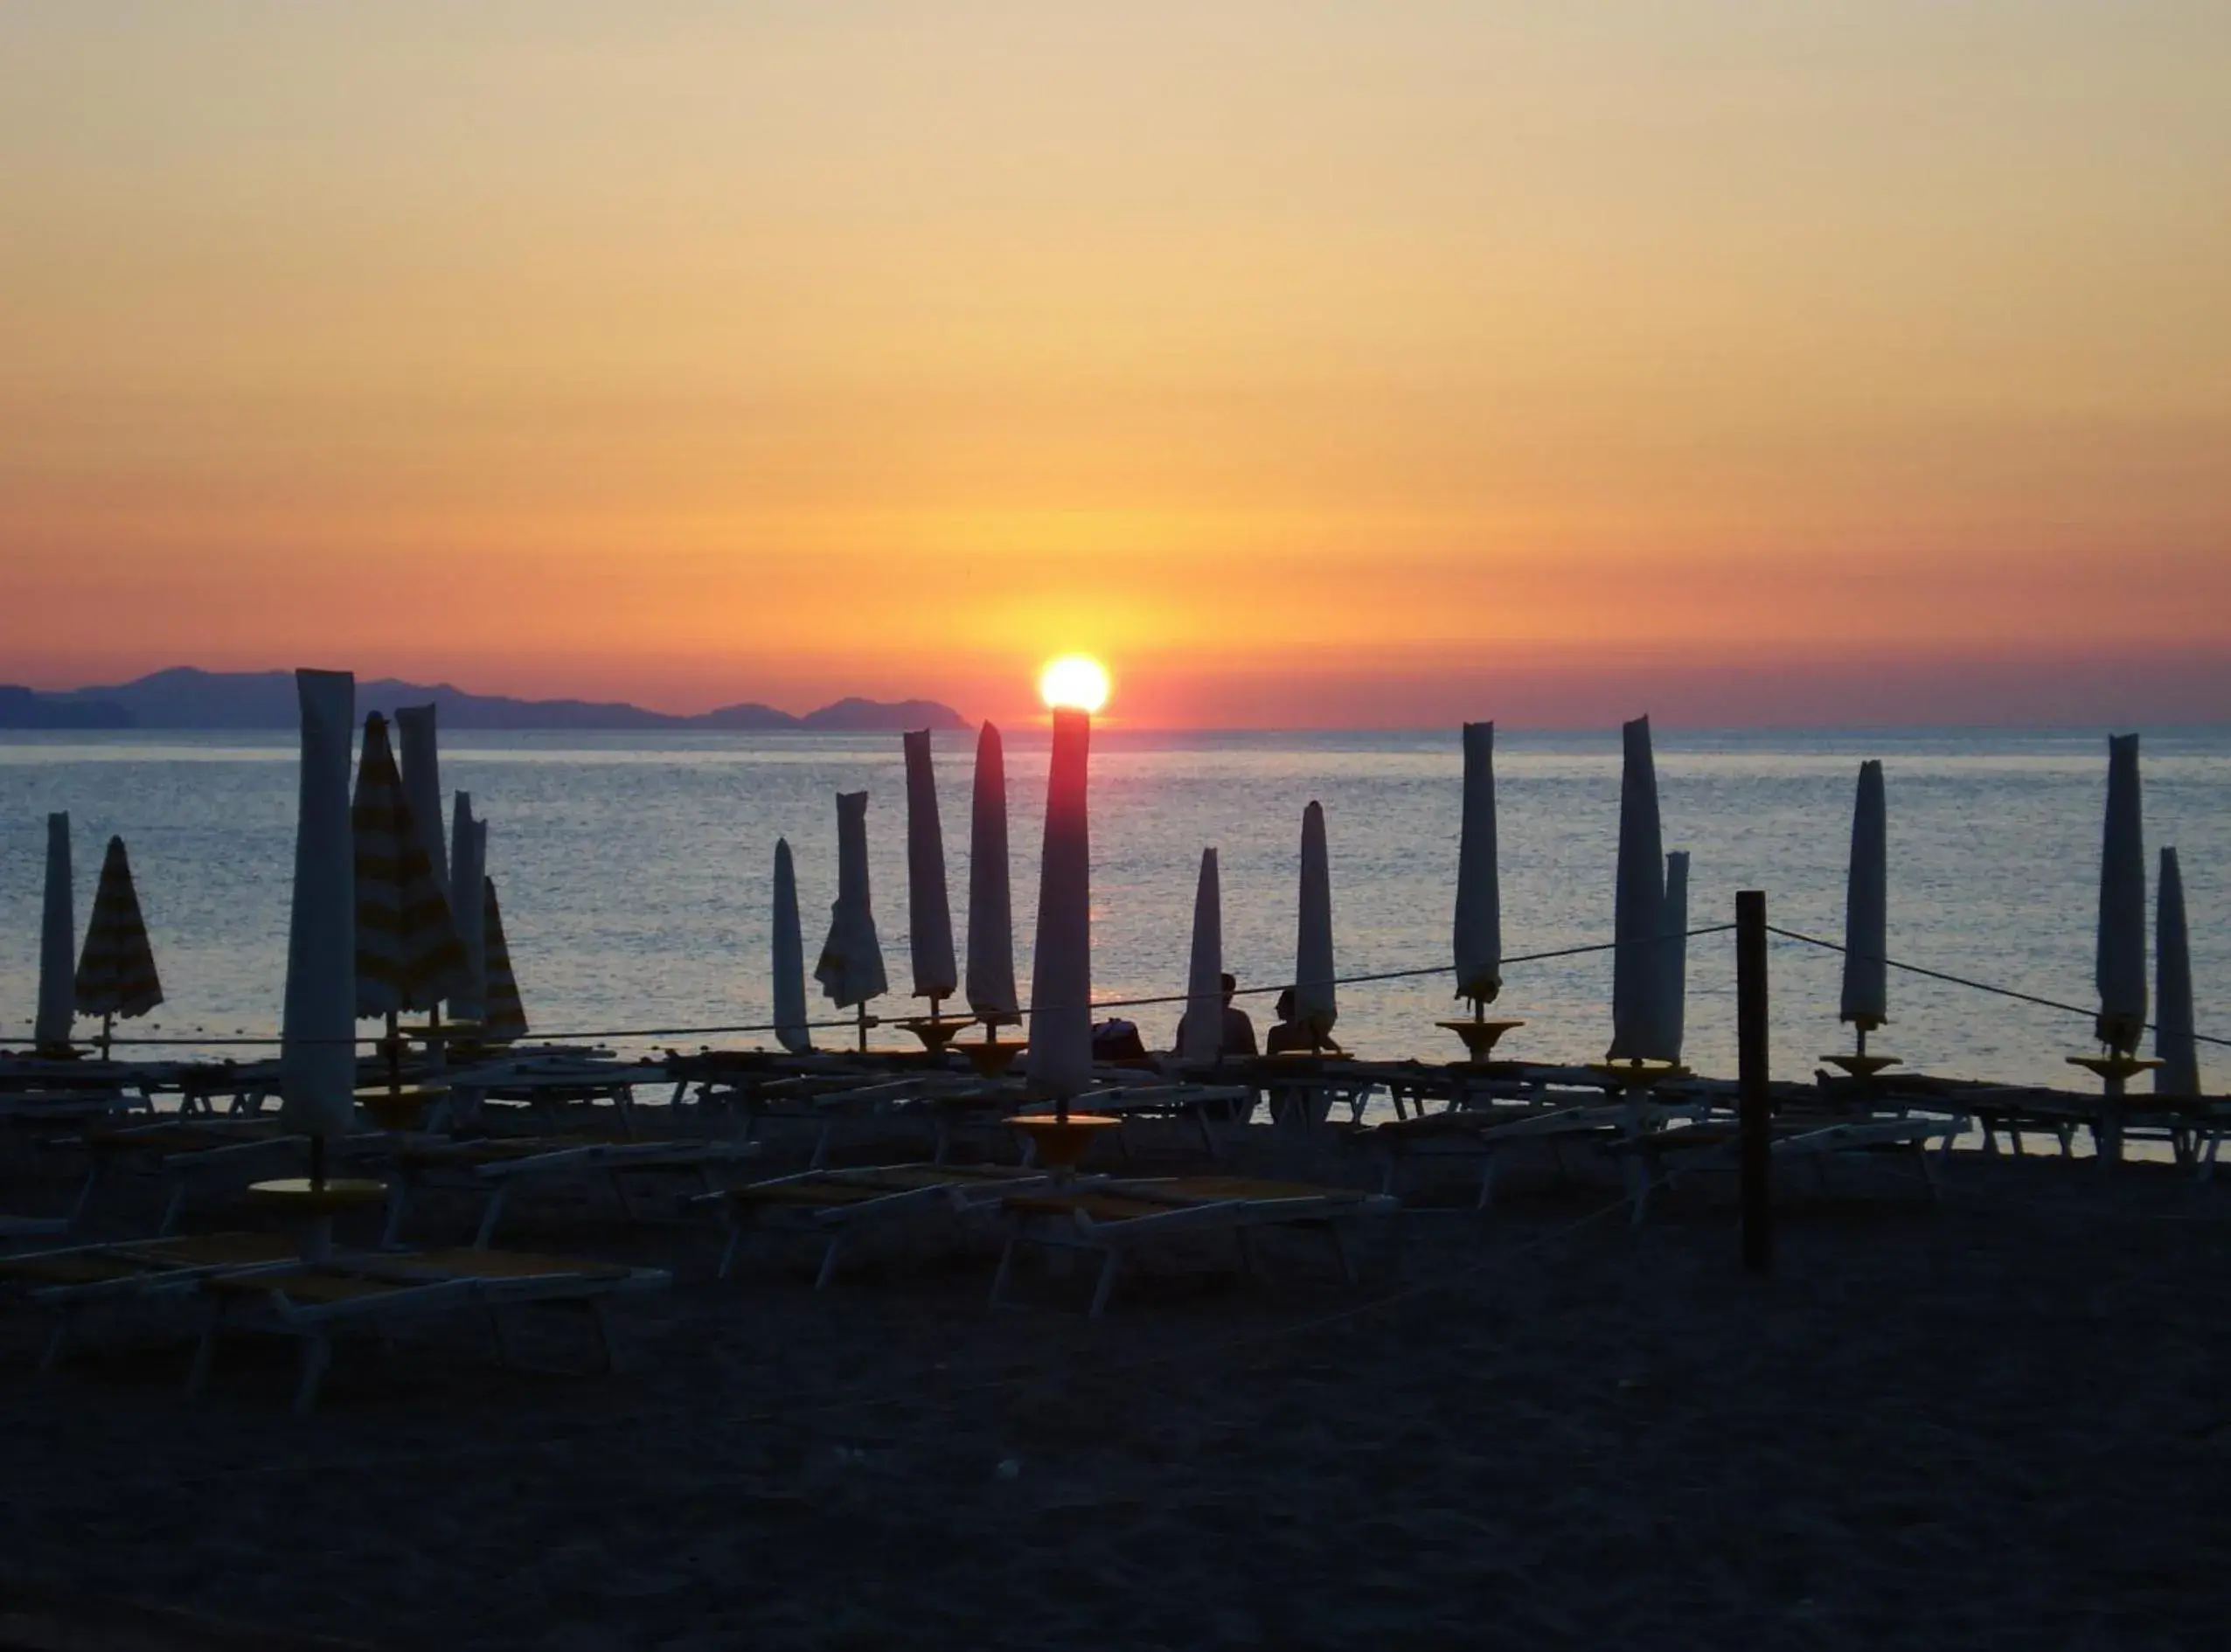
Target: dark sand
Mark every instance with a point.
(2005, 1421)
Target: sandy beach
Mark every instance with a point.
(1999, 1421)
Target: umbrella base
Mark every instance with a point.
(1861, 1066)
(992, 1059)
(1060, 1144)
(1479, 1036)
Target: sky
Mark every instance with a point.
(1313, 364)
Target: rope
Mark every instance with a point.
(851, 1024)
(1968, 981)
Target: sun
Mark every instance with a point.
(1074, 680)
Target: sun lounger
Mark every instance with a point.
(1113, 1218)
(492, 1166)
(67, 1282)
(189, 1156)
(312, 1302)
(1717, 1144)
(838, 1204)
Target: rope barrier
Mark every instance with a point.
(1978, 986)
(852, 1023)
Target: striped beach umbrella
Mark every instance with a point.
(408, 956)
(991, 923)
(929, 911)
(2120, 972)
(851, 966)
(422, 765)
(116, 970)
(504, 1018)
(58, 938)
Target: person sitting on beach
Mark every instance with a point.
(1239, 1032)
(1293, 1034)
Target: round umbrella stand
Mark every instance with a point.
(401, 1106)
(313, 1202)
(1857, 1063)
(934, 1031)
(2115, 1069)
(1632, 1075)
(1058, 1143)
(991, 1059)
(1479, 1033)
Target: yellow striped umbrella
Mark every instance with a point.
(116, 970)
(408, 956)
(504, 1018)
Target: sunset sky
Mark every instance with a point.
(1311, 364)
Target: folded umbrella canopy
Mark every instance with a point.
(1673, 914)
(851, 968)
(1478, 933)
(468, 864)
(504, 1018)
(116, 969)
(1867, 910)
(790, 1029)
(991, 923)
(2120, 972)
(317, 1051)
(408, 956)
(1317, 1004)
(2175, 1043)
(1060, 1033)
(1201, 1028)
(58, 939)
(421, 767)
(1637, 970)
(930, 913)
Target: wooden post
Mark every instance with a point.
(1751, 1075)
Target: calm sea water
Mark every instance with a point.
(634, 871)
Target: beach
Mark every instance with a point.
(1999, 1420)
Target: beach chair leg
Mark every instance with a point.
(1244, 1242)
(205, 1350)
(728, 1250)
(820, 1160)
(398, 1200)
(490, 1214)
(317, 1354)
(1111, 1264)
(1927, 1161)
(619, 1180)
(85, 1194)
(829, 1260)
(173, 1208)
(52, 1355)
(1006, 1269)
(1820, 1170)
(497, 1336)
(1639, 1183)
(1486, 1182)
(940, 1142)
(1341, 1254)
(608, 1354)
(2207, 1159)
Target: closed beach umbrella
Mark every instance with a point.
(790, 957)
(57, 942)
(929, 914)
(1479, 897)
(2121, 973)
(408, 956)
(1674, 912)
(1637, 971)
(468, 864)
(422, 762)
(317, 1050)
(1060, 1028)
(1202, 1025)
(1316, 1004)
(1867, 909)
(503, 1019)
(116, 970)
(2173, 1040)
(850, 969)
(992, 924)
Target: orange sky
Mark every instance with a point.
(1312, 363)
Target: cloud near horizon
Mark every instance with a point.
(1310, 367)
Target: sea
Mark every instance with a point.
(634, 874)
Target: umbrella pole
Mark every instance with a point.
(394, 1053)
(107, 1031)
(862, 1012)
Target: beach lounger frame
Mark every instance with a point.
(453, 1165)
(853, 1198)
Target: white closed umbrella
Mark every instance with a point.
(1478, 936)
(851, 967)
(1060, 1014)
(2174, 1042)
(469, 865)
(418, 746)
(1674, 912)
(1867, 909)
(992, 924)
(1201, 1028)
(790, 957)
(2121, 971)
(930, 913)
(1316, 1000)
(317, 1031)
(1638, 916)
(57, 944)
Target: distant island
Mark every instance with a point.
(185, 698)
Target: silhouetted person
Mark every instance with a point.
(1239, 1032)
(1292, 1033)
